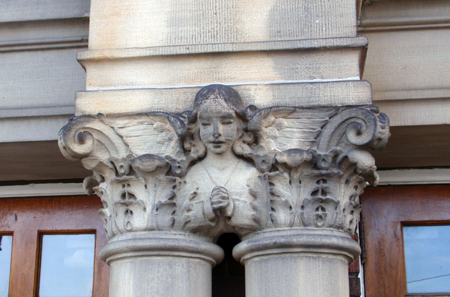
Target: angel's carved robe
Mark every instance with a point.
(247, 196)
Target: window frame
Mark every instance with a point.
(2, 233)
(27, 219)
(385, 210)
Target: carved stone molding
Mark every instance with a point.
(224, 167)
(160, 264)
(298, 261)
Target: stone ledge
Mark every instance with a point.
(208, 68)
(417, 112)
(160, 244)
(31, 128)
(37, 112)
(412, 94)
(126, 53)
(31, 10)
(297, 240)
(178, 99)
(413, 14)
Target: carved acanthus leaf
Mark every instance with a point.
(281, 200)
(127, 156)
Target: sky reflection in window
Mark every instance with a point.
(427, 258)
(67, 265)
(5, 263)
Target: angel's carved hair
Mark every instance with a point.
(225, 93)
(234, 101)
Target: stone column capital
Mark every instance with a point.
(223, 166)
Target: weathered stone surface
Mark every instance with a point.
(63, 77)
(37, 128)
(39, 75)
(242, 67)
(291, 61)
(179, 99)
(168, 22)
(291, 174)
(297, 262)
(160, 264)
(264, 168)
(224, 47)
(27, 10)
(407, 63)
(408, 51)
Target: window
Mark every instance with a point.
(427, 259)
(46, 231)
(394, 219)
(5, 263)
(66, 265)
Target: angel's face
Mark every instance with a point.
(218, 126)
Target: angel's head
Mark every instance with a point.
(217, 120)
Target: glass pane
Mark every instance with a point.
(427, 257)
(5, 263)
(67, 265)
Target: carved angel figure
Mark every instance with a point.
(275, 167)
(222, 192)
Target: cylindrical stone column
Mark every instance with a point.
(297, 262)
(158, 264)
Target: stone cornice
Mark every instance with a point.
(403, 15)
(297, 44)
(176, 99)
(221, 167)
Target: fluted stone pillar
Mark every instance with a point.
(226, 116)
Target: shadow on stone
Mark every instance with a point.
(228, 278)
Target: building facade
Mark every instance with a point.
(302, 66)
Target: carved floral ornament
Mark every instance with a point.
(222, 167)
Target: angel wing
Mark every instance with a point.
(279, 129)
(151, 133)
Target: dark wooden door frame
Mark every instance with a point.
(384, 211)
(27, 219)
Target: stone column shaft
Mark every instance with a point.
(160, 264)
(298, 262)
